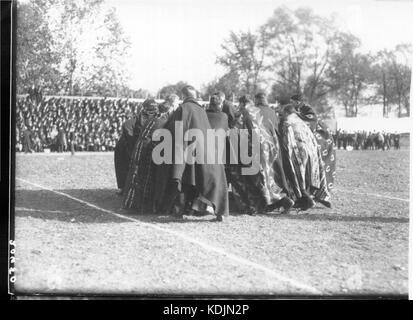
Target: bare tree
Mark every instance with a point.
(245, 55)
(302, 45)
(349, 73)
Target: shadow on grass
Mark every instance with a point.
(48, 205)
(340, 218)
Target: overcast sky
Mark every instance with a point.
(175, 40)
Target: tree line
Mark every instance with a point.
(71, 48)
(298, 51)
(79, 48)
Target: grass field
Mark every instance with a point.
(73, 237)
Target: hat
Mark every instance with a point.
(164, 107)
(288, 109)
(283, 100)
(214, 101)
(220, 94)
(149, 106)
(297, 97)
(189, 91)
(260, 95)
(261, 98)
(245, 99)
(171, 98)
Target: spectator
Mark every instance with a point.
(27, 140)
(61, 140)
(86, 116)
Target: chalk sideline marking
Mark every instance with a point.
(372, 195)
(39, 210)
(183, 236)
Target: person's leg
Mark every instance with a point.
(121, 165)
(174, 199)
(239, 190)
(190, 193)
(305, 202)
(178, 205)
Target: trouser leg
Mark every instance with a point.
(179, 197)
(174, 199)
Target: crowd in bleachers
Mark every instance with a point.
(66, 124)
(90, 124)
(366, 140)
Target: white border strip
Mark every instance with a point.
(240, 260)
(64, 154)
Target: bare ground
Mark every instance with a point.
(360, 246)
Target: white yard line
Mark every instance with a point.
(208, 247)
(40, 210)
(371, 194)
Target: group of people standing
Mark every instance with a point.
(363, 140)
(296, 158)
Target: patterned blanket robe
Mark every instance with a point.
(304, 165)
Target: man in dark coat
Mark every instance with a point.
(397, 141)
(72, 140)
(216, 117)
(123, 152)
(187, 181)
(27, 140)
(131, 130)
(228, 109)
(61, 140)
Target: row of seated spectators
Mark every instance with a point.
(62, 124)
(68, 124)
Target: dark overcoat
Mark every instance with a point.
(123, 151)
(208, 179)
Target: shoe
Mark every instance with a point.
(325, 203)
(304, 203)
(190, 212)
(200, 213)
(221, 219)
(307, 204)
(270, 208)
(250, 212)
(177, 212)
(285, 205)
(178, 215)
